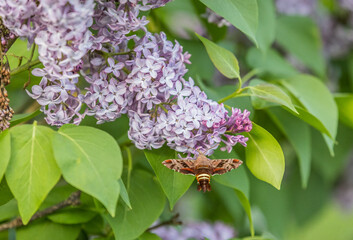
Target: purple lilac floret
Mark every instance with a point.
(197, 231)
(146, 82)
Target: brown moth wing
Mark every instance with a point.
(180, 165)
(221, 166)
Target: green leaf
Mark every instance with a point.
(345, 108)
(331, 167)
(72, 216)
(269, 62)
(32, 171)
(149, 236)
(5, 151)
(90, 160)
(95, 226)
(298, 134)
(322, 224)
(317, 99)
(147, 201)
(4, 235)
(224, 60)
(246, 205)
(24, 117)
(241, 14)
(311, 120)
(265, 34)
(8, 210)
(238, 180)
(216, 33)
(123, 193)
(270, 93)
(174, 184)
(301, 37)
(264, 156)
(5, 193)
(202, 65)
(45, 230)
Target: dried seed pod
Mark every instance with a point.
(6, 111)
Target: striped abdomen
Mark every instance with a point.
(203, 180)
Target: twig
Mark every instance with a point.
(173, 221)
(73, 200)
(25, 67)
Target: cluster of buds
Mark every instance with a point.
(5, 36)
(6, 111)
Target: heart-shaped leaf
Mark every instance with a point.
(174, 184)
(264, 156)
(32, 171)
(90, 160)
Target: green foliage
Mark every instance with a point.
(292, 30)
(345, 108)
(5, 150)
(270, 62)
(82, 150)
(32, 157)
(24, 117)
(265, 34)
(243, 15)
(270, 93)
(318, 100)
(45, 230)
(237, 180)
(305, 129)
(298, 134)
(224, 60)
(5, 193)
(174, 184)
(123, 194)
(264, 156)
(147, 201)
(72, 216)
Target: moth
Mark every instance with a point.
(203, 168)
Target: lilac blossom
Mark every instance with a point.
(178, 112)
(198, 231)
(296, 7)
(145, 82)
(60, 100)
(347, 4)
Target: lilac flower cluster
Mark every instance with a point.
(198, 231)
(296, 7)
(144, 80)
(60, 30)
(347, 4)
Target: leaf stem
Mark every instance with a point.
(25, 67)
(32, 53)
(237, 93)
(129, 167)
(250, 74)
